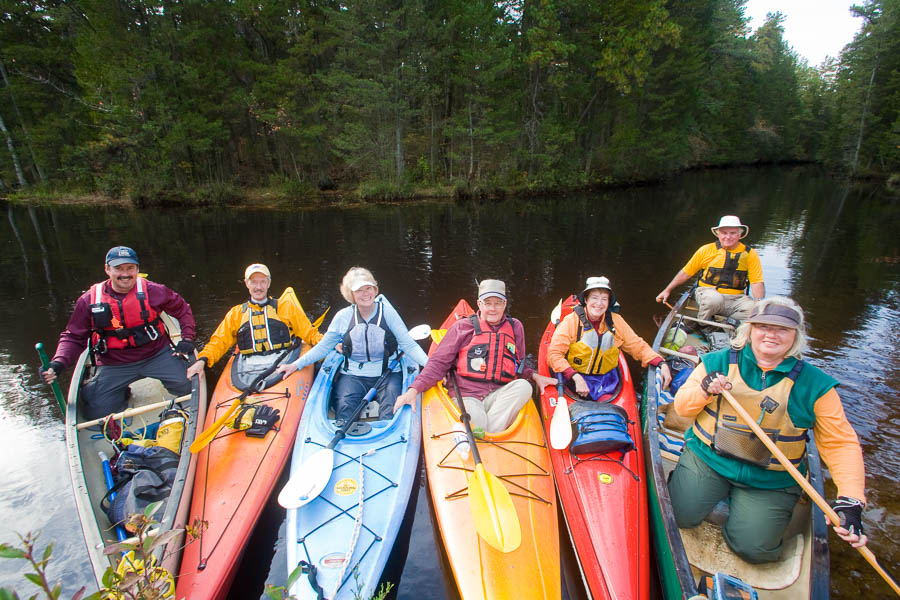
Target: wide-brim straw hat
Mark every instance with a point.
(730, 221)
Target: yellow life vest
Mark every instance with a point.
(728, 271)
(592, 354)
(261, 330)
(719, 426)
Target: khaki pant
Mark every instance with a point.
(714, 303)
(498, 410)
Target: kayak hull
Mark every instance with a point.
(377, 461)
(603, 496)
(518, 456)
(236, 474)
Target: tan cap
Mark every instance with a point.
(491, 287)
(257, 268)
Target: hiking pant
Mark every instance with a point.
(107, 391)
(757, 517)
(497, 411)
(350, 389)
(714, 303)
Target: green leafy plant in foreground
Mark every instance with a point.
(130, 581)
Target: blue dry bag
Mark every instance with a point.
(600, 428)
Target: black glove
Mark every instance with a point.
(185, 347)
(850, 512)
(55, 365)
(264, 420)
(710, 377)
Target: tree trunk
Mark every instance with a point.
(12, 152)
(37, 165)
(862, 119)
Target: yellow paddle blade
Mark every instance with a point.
(205, 437)
(493, 512)
(288, 295)
(321, 318)
(437, 335)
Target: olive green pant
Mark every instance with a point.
(757, 518)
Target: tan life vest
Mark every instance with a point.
(592, 354)
(261, 330)
(719, 426)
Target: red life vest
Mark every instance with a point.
(489, 356)
(127, 323)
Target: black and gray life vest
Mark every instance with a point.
(367, 341)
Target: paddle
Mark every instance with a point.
(138, 410)
(311, 477)
(45, 362)
(493, 512)
(703, 321)
(204, 438)
(803, 483)
(560, 423)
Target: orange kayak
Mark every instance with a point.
(519, 457)
(236, 475)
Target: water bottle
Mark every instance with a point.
(461, 439)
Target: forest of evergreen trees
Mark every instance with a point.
(139, 98)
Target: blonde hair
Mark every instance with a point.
(352, 276)
(801, 340)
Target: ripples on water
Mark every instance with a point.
(824, 244)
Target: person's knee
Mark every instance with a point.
(752, 548)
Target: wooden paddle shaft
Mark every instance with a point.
(139, 410)
(691, 357)
(703, 321)
(803, 483)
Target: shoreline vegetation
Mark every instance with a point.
(287, 196)
(291, 103)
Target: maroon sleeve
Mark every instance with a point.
(162, 298)
(74, 338)
(444, 357)
(519, 329)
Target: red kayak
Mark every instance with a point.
(603, 496)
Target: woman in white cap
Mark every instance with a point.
(370, 332)
(728, 266)
(722, 458)
(585, 346)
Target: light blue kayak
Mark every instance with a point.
(346, 545)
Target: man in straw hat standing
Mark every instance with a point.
(727, 266)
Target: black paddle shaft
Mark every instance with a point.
(464, 417)
(342, 432)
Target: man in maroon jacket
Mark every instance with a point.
(120, 319)
(487, 351)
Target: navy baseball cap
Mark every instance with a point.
(121, 255)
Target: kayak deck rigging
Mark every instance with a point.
(507, 477)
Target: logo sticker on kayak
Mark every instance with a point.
(334, 560)
(605, 478)
(345, 487)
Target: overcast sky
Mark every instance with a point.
(814, 28)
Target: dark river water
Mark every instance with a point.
(833, 248)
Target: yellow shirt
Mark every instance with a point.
(225, 335)
(709, 255)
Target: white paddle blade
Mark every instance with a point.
(556, 313)
(560, 425)
(420, 332)
(308, 481)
